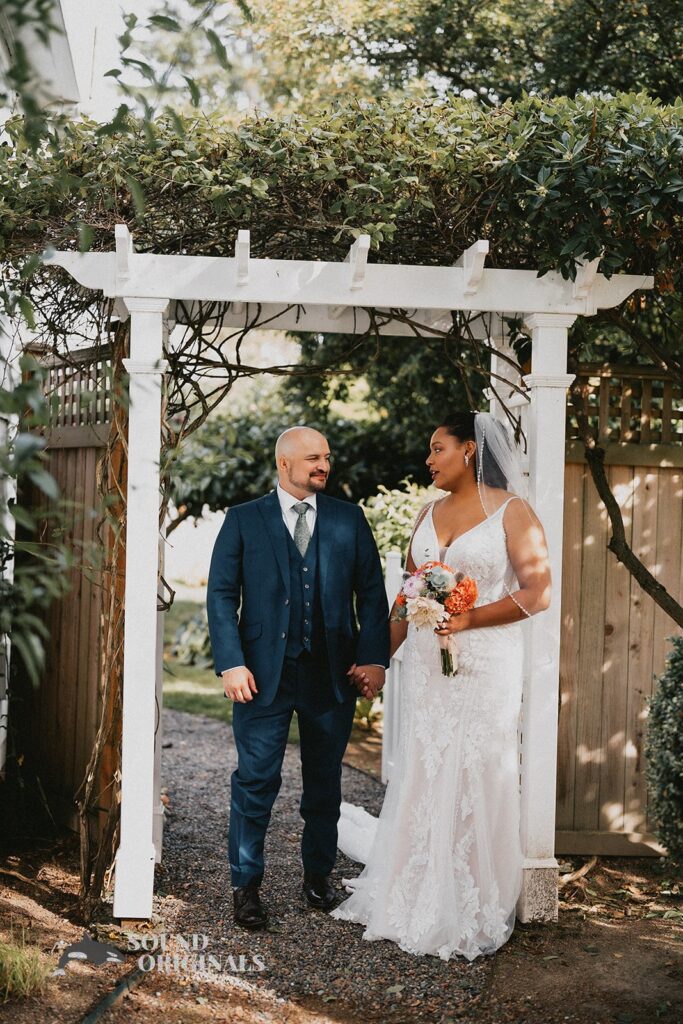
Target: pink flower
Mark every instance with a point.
(414, 586)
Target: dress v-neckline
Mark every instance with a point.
(440, 547)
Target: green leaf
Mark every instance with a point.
(194, 90)
(85, 236)
(218, 49)
(22, 517)
(137, 194)
(26, 309)
(165, 22)
(246, 10)
(46, 482)
(32, 654)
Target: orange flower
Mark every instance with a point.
(462, 597)
(430, 565)
(401, 599)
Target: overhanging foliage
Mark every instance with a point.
(546, 181)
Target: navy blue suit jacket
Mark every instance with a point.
(248, 592)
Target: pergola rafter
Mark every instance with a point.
(352, 297)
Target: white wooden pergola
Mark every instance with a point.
(333, 297)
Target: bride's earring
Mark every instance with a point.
(467, 459)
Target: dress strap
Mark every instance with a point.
(507, 500)
(421, 516)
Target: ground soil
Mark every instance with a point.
(614, 955)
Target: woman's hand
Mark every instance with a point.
(453, 624)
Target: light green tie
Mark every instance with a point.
(302, 534)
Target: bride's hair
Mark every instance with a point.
(461, 426)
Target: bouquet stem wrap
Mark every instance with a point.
(449, 655)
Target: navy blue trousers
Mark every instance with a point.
(261, 738)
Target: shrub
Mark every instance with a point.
(392, 514)
(664, 753)
(191, 644)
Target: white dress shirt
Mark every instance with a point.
(287, 503)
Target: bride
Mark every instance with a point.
(443, 863)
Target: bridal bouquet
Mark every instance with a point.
(427, 594)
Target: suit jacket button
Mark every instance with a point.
(286, 600)
(284, 635)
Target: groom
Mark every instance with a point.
(289, 565)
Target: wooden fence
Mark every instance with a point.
(614, 637)
(68, 704)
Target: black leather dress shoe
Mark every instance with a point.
(319, 891)
(249, 911)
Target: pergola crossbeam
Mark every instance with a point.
(336, 285)
(124, 256)
(472, 263)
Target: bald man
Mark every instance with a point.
(298, 618)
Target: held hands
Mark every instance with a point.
(368, 678)
(239, 684)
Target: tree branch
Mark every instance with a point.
(618, 545)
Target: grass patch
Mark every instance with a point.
(198, 691)
(22, 972)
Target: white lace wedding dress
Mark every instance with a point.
(443, 863)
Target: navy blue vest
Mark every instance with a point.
(306, 631)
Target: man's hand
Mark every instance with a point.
(239, 684)
(368, 678)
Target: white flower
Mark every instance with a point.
(424, 611)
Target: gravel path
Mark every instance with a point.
(309, 957)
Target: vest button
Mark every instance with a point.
(286, 600)
(305, 568)
(284, 635)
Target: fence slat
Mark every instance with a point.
(641, 625)
(615, 665)
(572, 555)
(625, 432)
(588, 753)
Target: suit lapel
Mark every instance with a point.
(325, 525)
(275, 527)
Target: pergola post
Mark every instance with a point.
(158, 827)
(135, 857)
(547, 383)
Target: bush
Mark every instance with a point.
(664, 753)
(392, 514)
(191, 644)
